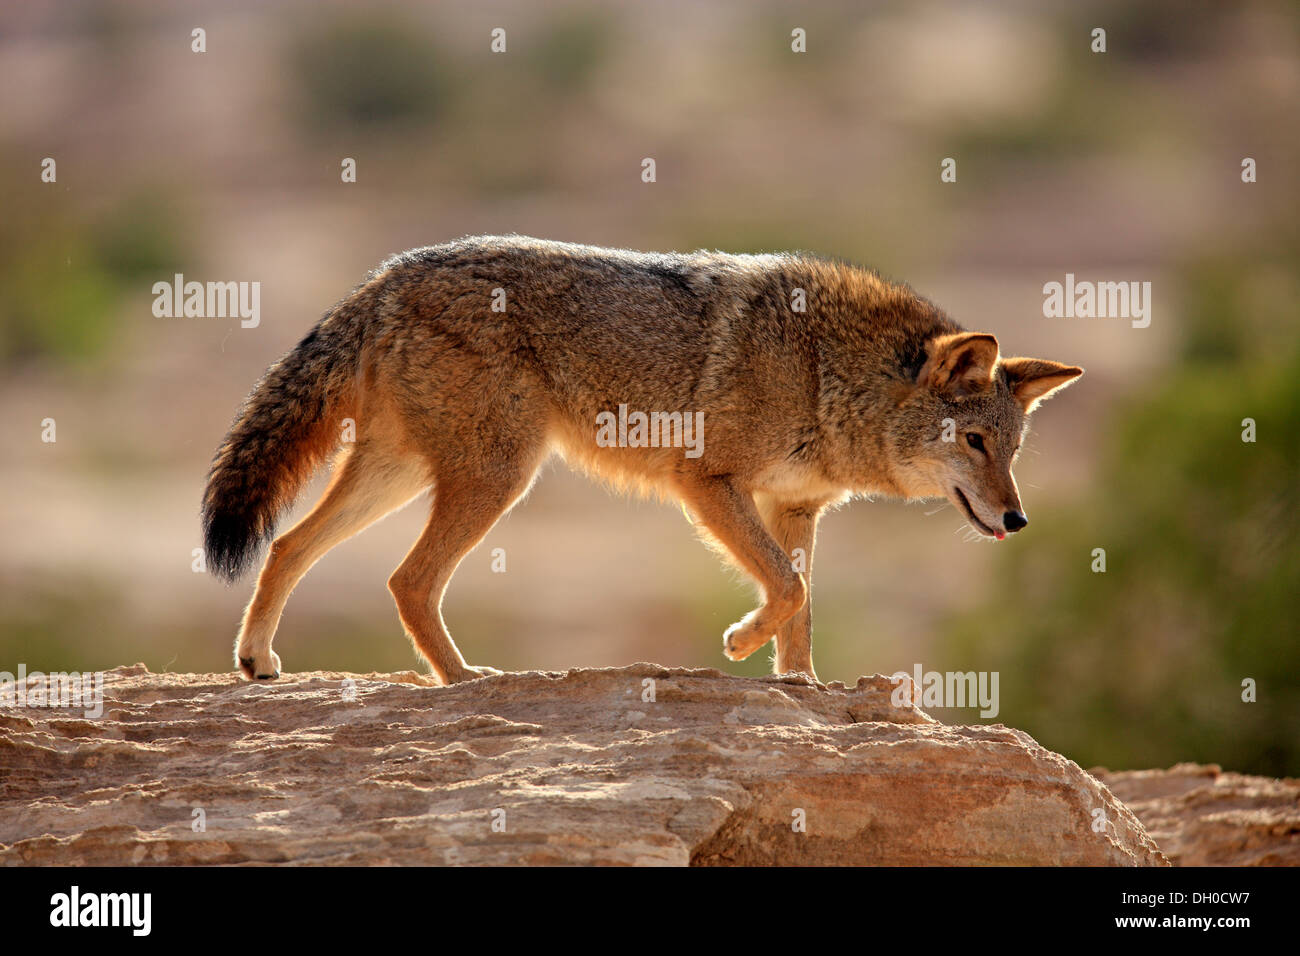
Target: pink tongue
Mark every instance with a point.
(999, 535)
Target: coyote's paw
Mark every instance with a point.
(805, 674)
(744, 638)
(259, 668)
(474, 673)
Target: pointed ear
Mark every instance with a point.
(961, 363)
(1033, 380)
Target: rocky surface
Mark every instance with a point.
(1201, 816)
(576, 767)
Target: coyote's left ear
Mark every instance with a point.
(960, 364)
(1033, 380)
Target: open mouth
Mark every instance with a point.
(970, 516)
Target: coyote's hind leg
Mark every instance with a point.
(469, 497)
(368, 484)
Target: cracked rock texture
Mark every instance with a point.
(538, 768)
(1202, 816)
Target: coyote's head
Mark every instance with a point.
(959, 427)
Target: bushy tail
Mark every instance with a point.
(287, 426)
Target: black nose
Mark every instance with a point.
(1013, 521)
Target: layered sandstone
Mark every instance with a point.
(632, 765)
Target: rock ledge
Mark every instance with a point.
(585, 767)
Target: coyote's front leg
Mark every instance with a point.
(794, 526)
(732, 518)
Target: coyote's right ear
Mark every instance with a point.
(961, 364)
(1033, 380)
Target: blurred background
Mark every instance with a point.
(225, 165)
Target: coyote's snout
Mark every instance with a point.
(756, 390)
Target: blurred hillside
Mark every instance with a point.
(225, 165)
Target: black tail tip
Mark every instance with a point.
(230, 543)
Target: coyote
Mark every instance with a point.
(462, 366)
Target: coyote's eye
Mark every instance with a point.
(975, 441)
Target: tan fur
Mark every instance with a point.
(800, 410)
